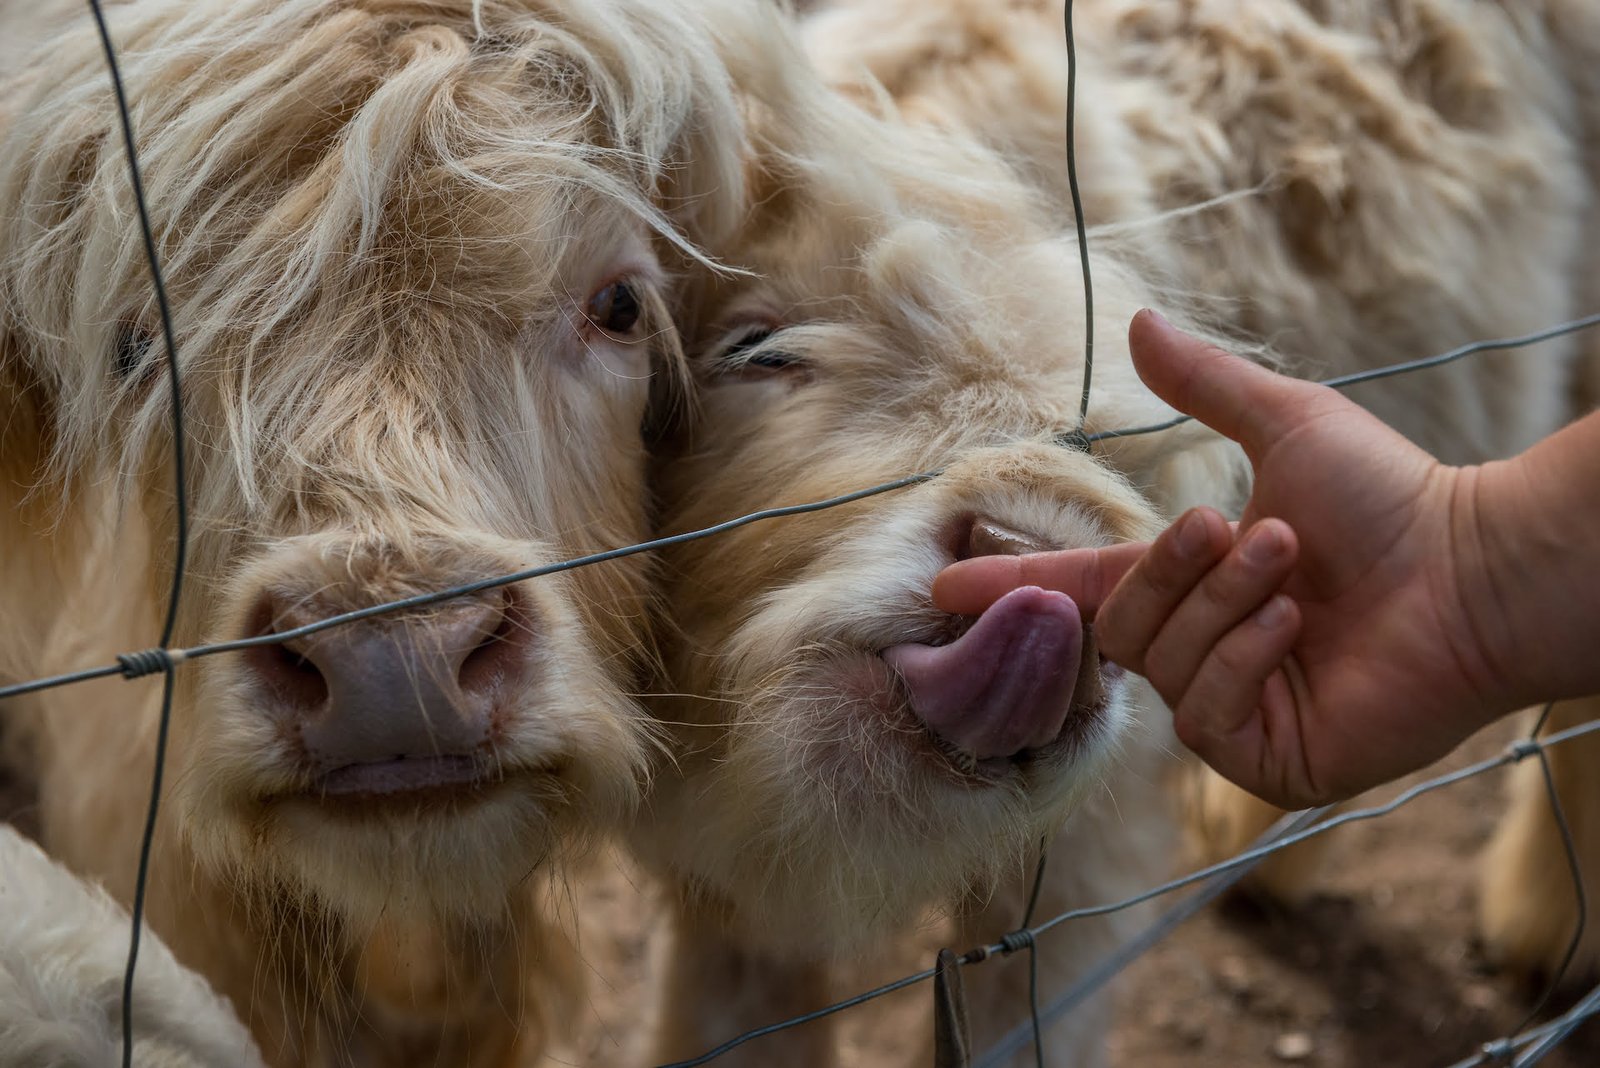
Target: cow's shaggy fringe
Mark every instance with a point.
(302, 214)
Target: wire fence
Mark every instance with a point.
(1214, 880)
(1525, 1045)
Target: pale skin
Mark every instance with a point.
(1371, 608)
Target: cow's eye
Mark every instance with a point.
(747, 341)
(129, 350)
(745, 352)
(614, 308)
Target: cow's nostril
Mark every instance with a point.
(486, 667)
(987, 537)
(282, 668)
(296, 679)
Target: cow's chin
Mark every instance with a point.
(444, 856)
(833, 818)
(449, 839)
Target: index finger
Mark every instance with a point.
(1088, 576)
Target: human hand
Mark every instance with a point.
(1321, 646)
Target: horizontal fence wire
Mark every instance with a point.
(1102, 973)
(1376, 374)
(1517, 751)
(1559, 1030)
(1562, 329)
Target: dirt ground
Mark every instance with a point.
(1378, 969)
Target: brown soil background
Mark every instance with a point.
(1380, 968)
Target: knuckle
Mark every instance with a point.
(1167, 672)
(1232, 659)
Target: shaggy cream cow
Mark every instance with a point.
(847, 758)
(1318, 182)
(1356, 184)
(417, 259)
(62, 947)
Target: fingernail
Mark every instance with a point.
(1262, 545)
(1273, 614)
(1192, 536)
(1155, 318)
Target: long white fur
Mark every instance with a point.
(63, 945)
(1380, 180)
(930, 295)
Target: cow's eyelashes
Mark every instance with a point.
(771, 360)
(130, 349)
(747, 341)
(746, 352)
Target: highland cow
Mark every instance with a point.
(418, 256)
(847, 759)
(1306, 180)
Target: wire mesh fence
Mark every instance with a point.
(1213, 880)
(1524, 1045)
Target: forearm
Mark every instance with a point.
(1531, 587)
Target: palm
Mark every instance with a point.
(1373, 553)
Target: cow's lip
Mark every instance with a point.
(403, 779)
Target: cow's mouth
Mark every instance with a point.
(1023, 681)
(404, 781)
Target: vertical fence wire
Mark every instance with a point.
(1092, 981)
(1524, 1032)
(181, 505)
(1079, 436)
(1033, 949)
(1309, 827)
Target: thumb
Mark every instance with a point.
(1227, 393)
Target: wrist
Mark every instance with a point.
(1527, 576)
(1480, 628)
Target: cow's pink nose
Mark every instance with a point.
(381, 690)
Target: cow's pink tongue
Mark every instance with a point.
(1006, 684)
